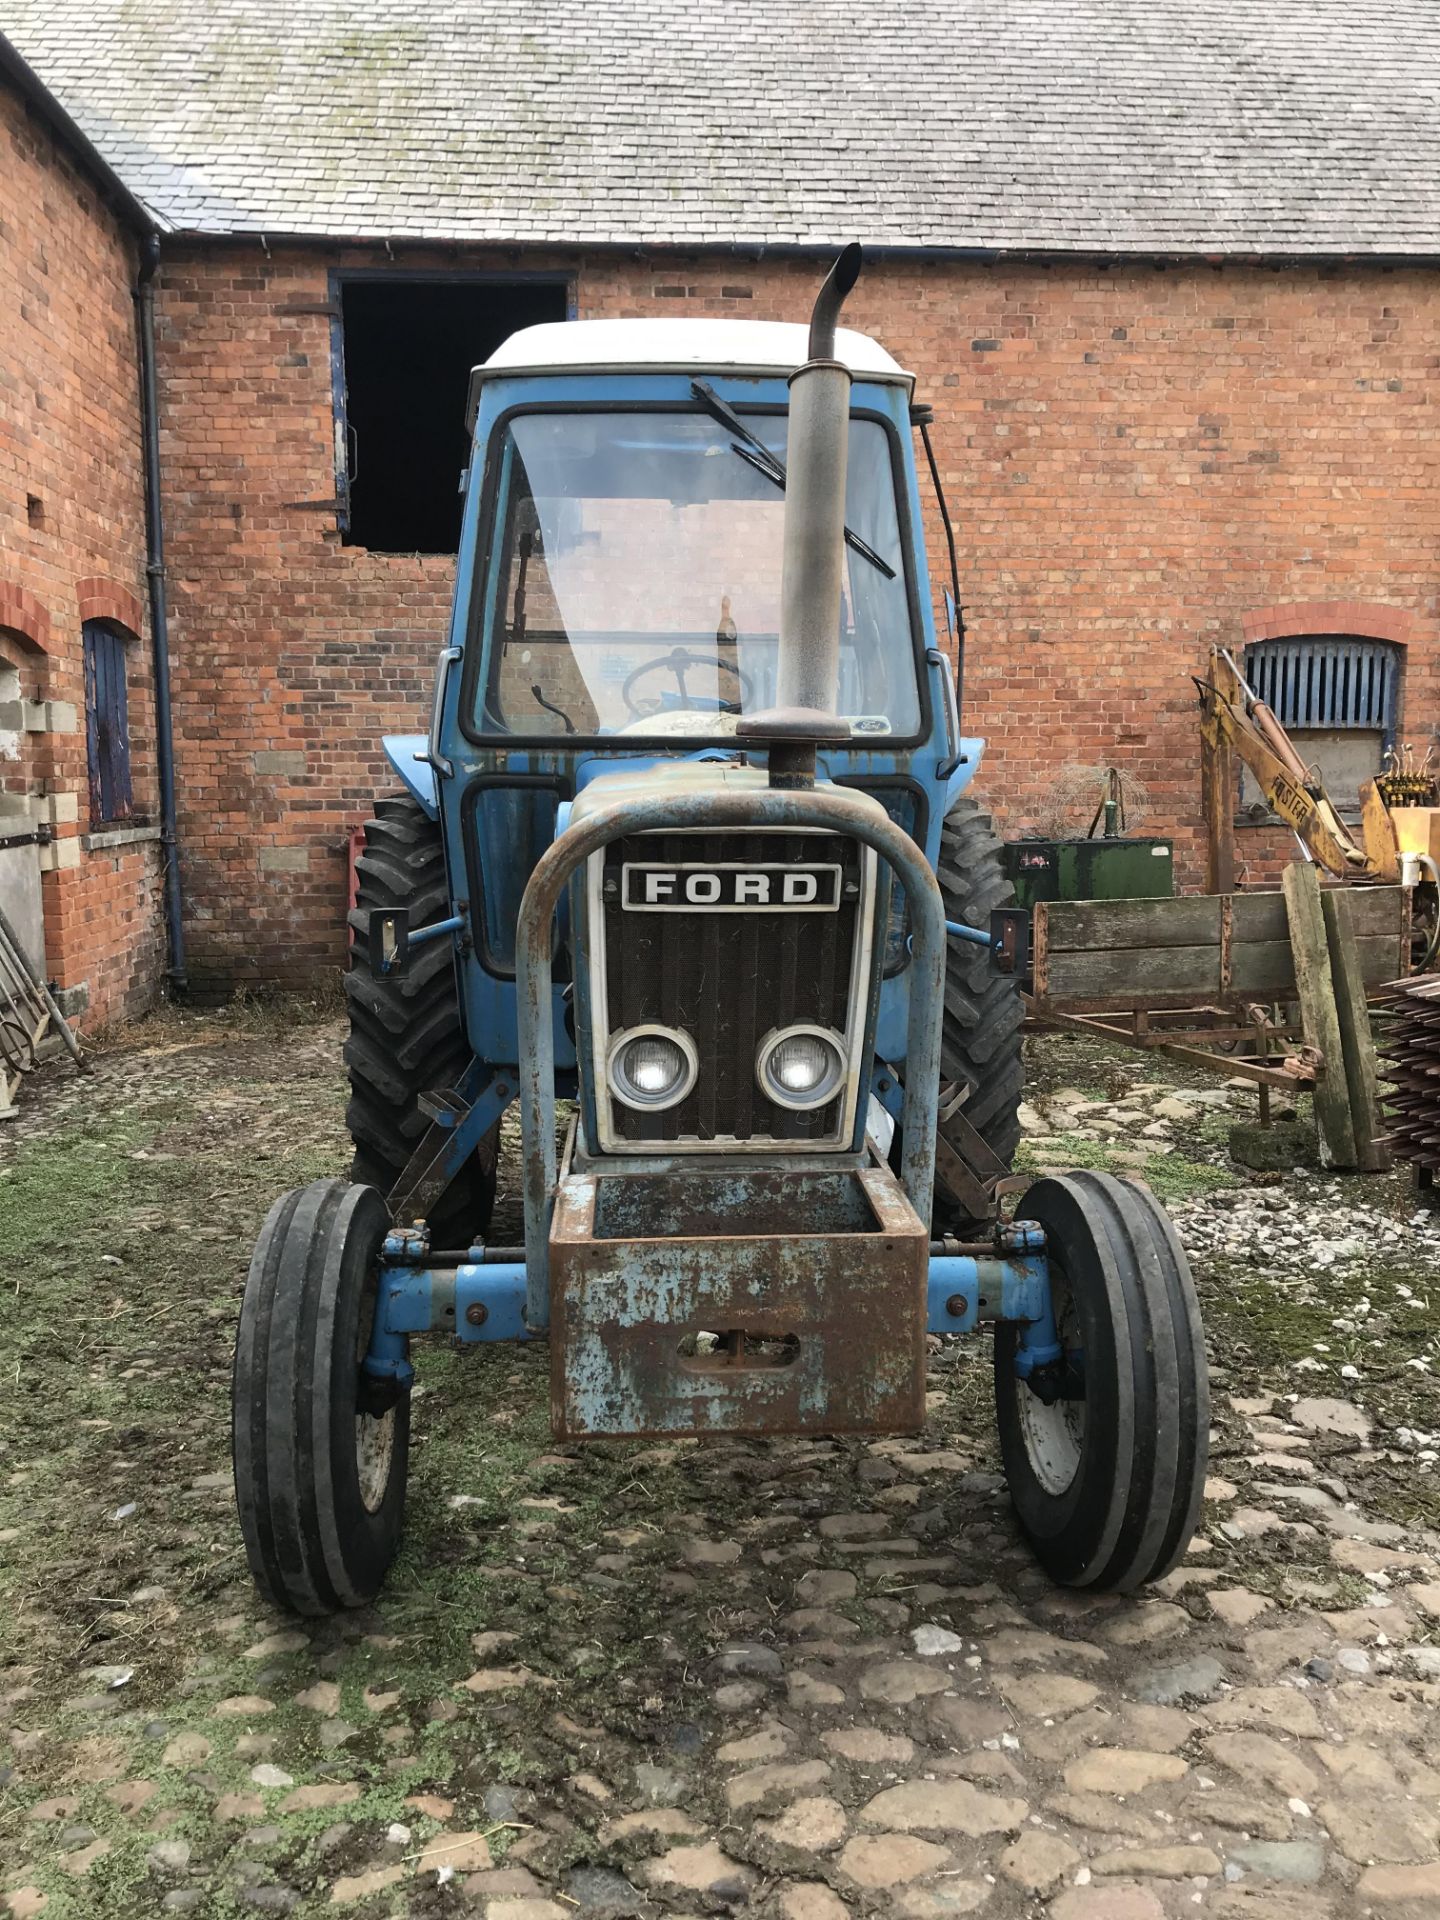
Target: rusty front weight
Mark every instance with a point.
(817, 807)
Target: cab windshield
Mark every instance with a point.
(637, 582)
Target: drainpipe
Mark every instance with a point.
(159, 625)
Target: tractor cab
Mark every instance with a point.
(629, 527)
(619, 603)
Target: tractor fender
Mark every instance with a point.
(961, 776)
(408, 754)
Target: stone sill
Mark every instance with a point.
(111, 837)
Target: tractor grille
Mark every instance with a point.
(728, 978)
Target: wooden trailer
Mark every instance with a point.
(1273, 987)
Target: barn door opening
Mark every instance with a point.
(407, 343)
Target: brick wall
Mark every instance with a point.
(72, 549)
(1139, 460)
(292, 654)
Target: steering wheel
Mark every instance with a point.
(679, 662)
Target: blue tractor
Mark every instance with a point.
(690, 845)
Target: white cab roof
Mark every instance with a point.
(656, 346)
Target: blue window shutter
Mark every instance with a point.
(120, 796)
(1330, 682)
(92, 725)
(107, 724)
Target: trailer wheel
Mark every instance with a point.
(320, 1460)
(1107, 1479)
(407, 1036)
(980, 1034)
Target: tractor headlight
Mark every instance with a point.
(652, 1067)
(800, 1067)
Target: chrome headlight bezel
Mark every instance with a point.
(624, 1090)
(825, 1090)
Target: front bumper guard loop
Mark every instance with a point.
(820, 808)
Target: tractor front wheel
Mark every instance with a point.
(320, 1460)
(1105, 1454)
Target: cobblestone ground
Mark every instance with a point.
(787, 1680)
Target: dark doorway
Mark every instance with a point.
(409, 345)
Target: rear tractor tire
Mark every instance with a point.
(1107, 1478)
(407, 1034)
(320, 1457)
(980, 1033)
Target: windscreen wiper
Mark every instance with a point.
(755, 452)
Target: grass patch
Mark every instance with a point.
(1171, 1176)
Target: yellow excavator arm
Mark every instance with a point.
(1234, 721)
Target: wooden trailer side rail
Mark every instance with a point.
(1220, 951)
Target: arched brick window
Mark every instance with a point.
(24, 630)
(111, 619)
(1333, 675)
(23, 678)
(23, 617)
(107, 721)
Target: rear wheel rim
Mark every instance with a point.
(374, 1453)
(1054, 1436)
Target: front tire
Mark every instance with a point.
(319, 1481)
(1107, 1486)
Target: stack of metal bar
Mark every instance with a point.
(1409, 1048)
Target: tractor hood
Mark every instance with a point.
(682, 778)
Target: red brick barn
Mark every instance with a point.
(1168, 277)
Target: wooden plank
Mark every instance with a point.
(1259, 916)
(1131, 974)
(1267, 968)
(1375, 910)
(1356, 1038)
(1316, 985)
(1180, 979)
(1262, 916)
(1383, 958)
(1262, 968)
(1193, 920)
(1078, 925)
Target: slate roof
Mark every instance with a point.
(1142, 126)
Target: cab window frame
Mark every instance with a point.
(486, 544)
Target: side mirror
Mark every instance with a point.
(389, 941)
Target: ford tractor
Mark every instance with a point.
(689, 862)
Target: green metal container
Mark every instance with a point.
(1090, 869)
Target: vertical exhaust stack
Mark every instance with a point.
(813, 560)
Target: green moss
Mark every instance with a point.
(1171, 1176)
